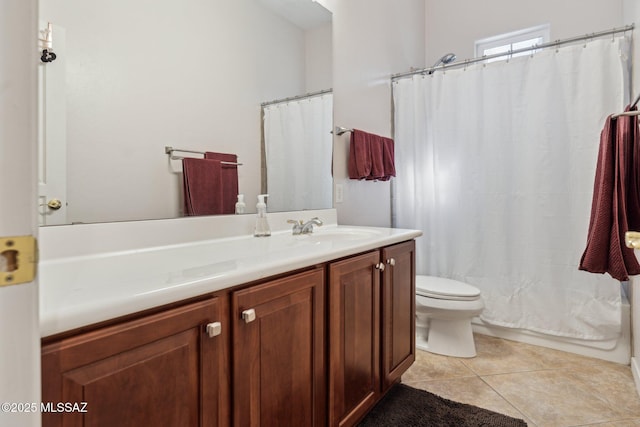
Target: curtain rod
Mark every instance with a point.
(294, 98)
(511, 52)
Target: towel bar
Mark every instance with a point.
(629, 113)
(626, 113)
(169, 150)
(339, 130)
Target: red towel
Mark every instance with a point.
(359, 165)
(371, 157)
(202, 184)
(229, 180)
(388, 159)
(376, 147)
(616, 201)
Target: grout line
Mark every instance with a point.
(550, 365)
(524, 416)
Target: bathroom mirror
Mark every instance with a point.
(133, 77)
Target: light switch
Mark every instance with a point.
(339, 196)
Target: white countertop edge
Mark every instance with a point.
(61, 319)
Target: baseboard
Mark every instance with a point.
(636, 373)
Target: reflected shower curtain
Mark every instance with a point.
(496, 165)
(298, 151)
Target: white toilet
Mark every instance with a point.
(444, 309)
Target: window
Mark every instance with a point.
(504, 43)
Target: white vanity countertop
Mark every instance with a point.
(81, 290)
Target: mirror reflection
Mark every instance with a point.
(131, 78)
(298, 149)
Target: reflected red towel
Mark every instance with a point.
(388, 159)
(229, 180)
(202, 184)
(616, 201)
(371, 157)
(359, 165)
(376, 147)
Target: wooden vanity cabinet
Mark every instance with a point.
(371, 328)
(313, 348)
(279, 352)
(163, 369)
(398, 311)
(354, 337)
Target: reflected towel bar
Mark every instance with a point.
(339, 130)
(626, 113)
(169, 150)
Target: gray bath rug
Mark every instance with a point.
(409, 407)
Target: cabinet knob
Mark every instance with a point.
(214, 329)
(391, 261)
(249, 315)
(380, 266)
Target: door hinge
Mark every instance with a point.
(18, 260)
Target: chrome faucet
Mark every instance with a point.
(297, 226)
(307, 227)
(300, 227)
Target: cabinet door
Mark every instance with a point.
(162, 369)
(278, 344)
(398, 311)
(354, 337)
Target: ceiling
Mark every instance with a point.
(306, 14)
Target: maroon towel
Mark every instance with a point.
(359, 165)
(616, 201)
(376, 147)
(388, 159)
(371, 157)
(229, 180)
(202, 184)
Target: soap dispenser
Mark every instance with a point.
(262, 225)
(240, 204)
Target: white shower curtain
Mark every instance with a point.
(495, 163)
(298, 150)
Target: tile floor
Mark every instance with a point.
(545, 387)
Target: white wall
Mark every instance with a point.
(454, 25)
(319, 58)
(19, 326)
(189, 74)
(372, 41)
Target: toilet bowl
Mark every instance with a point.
(444, 309)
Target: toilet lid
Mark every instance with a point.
(441, 288)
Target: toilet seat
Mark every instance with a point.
(446, 289)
